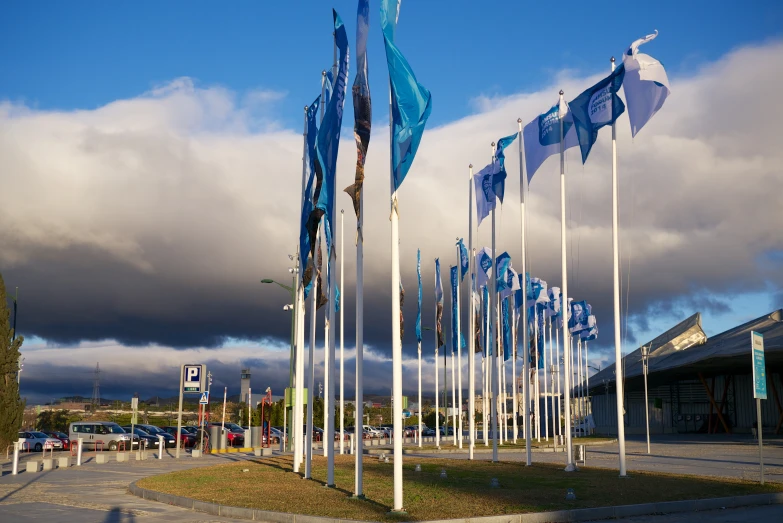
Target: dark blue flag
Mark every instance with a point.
(499, 181)
(305, 248)
(596, 107)
(454, 332)
(463, 260)
(506, 330)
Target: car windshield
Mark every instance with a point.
(61, 435)
(115, 429)
(153, 430)
(140, 432)
(39, 435)
(234, 427)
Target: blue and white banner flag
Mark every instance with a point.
(503, 264)
(307, 197)
(438, 303)
(463, 260)
(328, 86)
(579, 317)
(597, 107)
(541, 347)
(336, 298)
(553, 307)
(506, 319)
(511, 286)
(454, 314)
(411, 101)
(591, 332)
(519, 299)
(538, 293)
(328, 141)
(483, 266)
(646, 85)
(542, 137)
(499, 184)
(485, 324)
(418, 310)
(484, 190)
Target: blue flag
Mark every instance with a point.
(411, 102)
(540, 350)
(463, 260)
(485, 301)
(503, 263)
(307, 197)
(454, 332)
(579, 317)
(337, 298)
(504, 313)
(418, 310)
(591, 332)
(500, 178)
(484, 190)
(438, 303)
(328, 141)
(596, 107)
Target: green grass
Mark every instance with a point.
(270, 485)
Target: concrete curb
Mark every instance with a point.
(558, 516)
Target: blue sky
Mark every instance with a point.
(62, 55)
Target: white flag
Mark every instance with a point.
(646, 84)
(542, 136)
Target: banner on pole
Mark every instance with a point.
(759, 370)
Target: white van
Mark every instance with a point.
(100, 434)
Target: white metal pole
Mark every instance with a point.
(223, 419)
(453, 396)
(570, 466)
(525, 343)
(618, 351)
(342, 331)
(546, 389)
(759, 433)
(437, 391)
(396, 354)
(328, 365)
(358, 421)
(458, 427)
(329, 402)
(420, 422)
(537, 393)
(15, 465)
(645, 356)
(493, 308)
(578, 383)
(587, 385)
(311, 381)
(559, 390)
(471, 325)
(514, 385)
(484, 404)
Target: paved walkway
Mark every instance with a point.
(96, 493)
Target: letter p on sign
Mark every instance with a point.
(192, 378)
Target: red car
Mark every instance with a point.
(61, 436)
(186, 437)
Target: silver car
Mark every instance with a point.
(38, 441)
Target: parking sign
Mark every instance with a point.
(193, 378)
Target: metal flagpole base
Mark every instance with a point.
(360, 497)
(397, 513)
(571, 467)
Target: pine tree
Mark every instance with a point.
(11, 405)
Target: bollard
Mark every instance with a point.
(63, 462)
(160, 447)
(80, 443)
(15, 469)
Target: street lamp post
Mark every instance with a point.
(645, 358)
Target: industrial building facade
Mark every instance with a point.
(696, 384)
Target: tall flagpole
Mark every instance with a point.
(437, 372)
(458, 434)
(618, 351)
(537, 390)
(299, 321)
(420, 423)
(557, 370)
(453, 381)
(342, 331)
(471, 325)
(396, 340)
(485, 369)
(570, 466)
(525, 342)
(358, 490)
(515, 388)
(493, 300)
(546, 389)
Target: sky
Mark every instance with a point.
(152, 161)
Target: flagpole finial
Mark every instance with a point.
(323, 73)
(519, 120)
(306, 108)
(493, 144)
(470, 166)
(342, 211)
(561, 92)
(612, 59)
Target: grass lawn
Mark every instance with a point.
(270, 485)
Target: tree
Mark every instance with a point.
(429, 419)
(11, 405)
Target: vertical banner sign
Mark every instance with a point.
(759, 372)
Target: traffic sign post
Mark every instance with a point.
(134, 419)
(759, 388)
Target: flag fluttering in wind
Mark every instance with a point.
(476, 315)
(553, 307)
(485, 300)
(542, 136)
(362, 106)
(507, 343)
(580, 313)
(328, 141)
(418, 309)
(538, 294)
(597, 107)
(503, 264)
(591, 332)
(463, 260)
(484, 189)
(438, 303)
(455, 334)
(483, 266)
(646, 84)
(511, 285)
(402, 318)
(499, 181)
(411, 102)
(307, 197)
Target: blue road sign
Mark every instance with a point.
(193, 378)
(759, 370)
(204, 398)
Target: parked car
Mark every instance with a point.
(374, 433)
(426, 431)
(105, 435)
(234, 439)
(443, 431)
(147, 439)
(37, 441)
(62, 436)
(189, 439)
(152, 430)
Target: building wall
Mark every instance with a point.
(688, 398)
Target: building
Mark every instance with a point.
(696, 384)
(244, 385)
